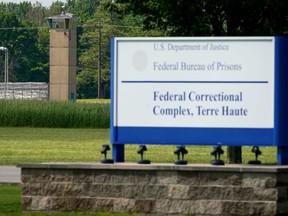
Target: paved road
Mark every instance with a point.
(10, 175)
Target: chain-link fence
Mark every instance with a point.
(24, 90)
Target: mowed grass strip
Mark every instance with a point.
(33, 145)
(9, 199)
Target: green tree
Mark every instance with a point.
(84, 9)
(38, 14)
(25, 11)
(21, 39)
(41, 70)
(248, 17)
(25, 52)
(213, 17)
(175, 17)
(94, 59)
(21, 10)
(56, 8)
(8, 34)
(93, 80)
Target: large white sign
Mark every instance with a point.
(194, 82)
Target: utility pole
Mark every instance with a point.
(99, 61)
(6, 72)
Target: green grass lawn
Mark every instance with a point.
(25, 145)
(21, 145)
(33, 145)
(9, 199)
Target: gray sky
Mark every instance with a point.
(45, 3)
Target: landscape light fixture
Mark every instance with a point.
(104, 150)
(180, 150)
(141, 150)
(257, 152)
(216, 152)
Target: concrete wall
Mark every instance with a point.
(24, 90)
(158, 189)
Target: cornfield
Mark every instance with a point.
(54, 114)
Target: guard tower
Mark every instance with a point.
(63, 36)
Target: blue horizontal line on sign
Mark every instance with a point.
(209, 82)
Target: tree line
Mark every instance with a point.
(24, 31)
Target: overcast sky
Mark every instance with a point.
(45, 3)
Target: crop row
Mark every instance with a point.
(53, 114)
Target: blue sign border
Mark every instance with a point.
(187, 136)
(277, 136)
